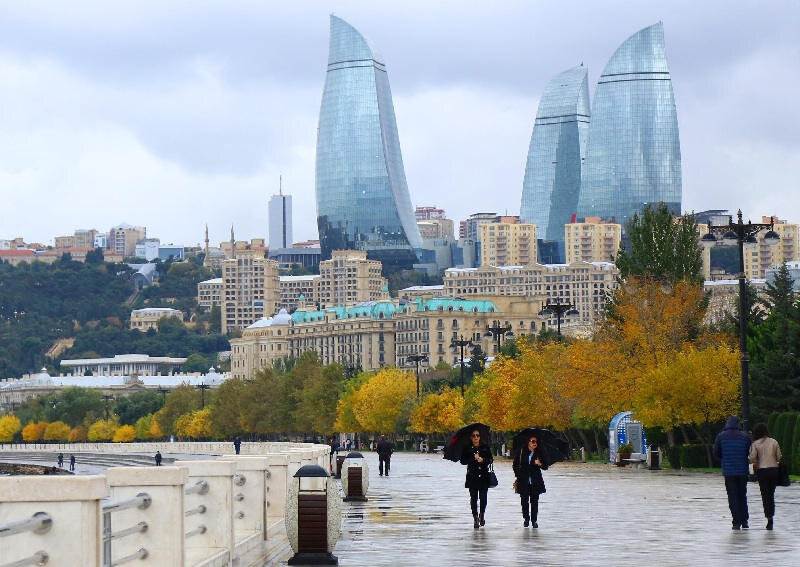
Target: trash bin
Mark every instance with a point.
(339, 460)
(655, 459)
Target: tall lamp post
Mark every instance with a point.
(461, 343)
(107, 399)
(559, 310)
(416, 359)
(497, 330)
(740, 234)
(202, 388)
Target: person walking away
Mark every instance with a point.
(237, 445)
(385, 450)
(334, 444)
(72, 462)
(765, 454)
(477, 457)
(732, 447)
(61, 460)
(158, 458)
(529, 462)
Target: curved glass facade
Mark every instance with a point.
(362, 195)
(555, 156)
(634, 155)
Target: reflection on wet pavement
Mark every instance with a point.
(589, 516)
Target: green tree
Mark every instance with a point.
(137, 405)
(317, 400)
(227, 414)
(660, 247)
(477, 360)
(196, 362)
(183, 399)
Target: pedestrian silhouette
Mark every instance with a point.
(61, 460)
(237, 444)
(385, 450)
(158, 458)
(732, 447)
(765, 454)
(72, 462)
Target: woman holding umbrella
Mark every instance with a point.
(529, 462)
(477, 456)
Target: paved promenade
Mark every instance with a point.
(589, 516)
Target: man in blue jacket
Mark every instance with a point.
(732, 447)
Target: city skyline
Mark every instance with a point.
(108, 125)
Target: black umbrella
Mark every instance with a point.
(461, 438)
(555, 446)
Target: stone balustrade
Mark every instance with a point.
(222, 511)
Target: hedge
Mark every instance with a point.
(771, 423)
(674, 456)
(694, 456)
(787, 448)
(795, 462)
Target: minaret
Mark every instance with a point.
(233, 244)
(207, 259)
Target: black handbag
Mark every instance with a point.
(783, 475)
(492, 477)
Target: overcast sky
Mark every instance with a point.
(176, 114)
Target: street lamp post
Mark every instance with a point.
(416, 359)
(202, 388)
(559, 310)
(461, 343)
(163, 392)
(107, 399)
(740, 234)
(497, 330)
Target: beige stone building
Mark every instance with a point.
(250, 290)
(297, 290)
(507, 244)
(84, 237)
(435, 228)
(591, 241)
(122, 239)
(348, 278)
(584, 284)
(148, 318)
(64, 241)
(209, 293)
(723, 301)
(381, 333)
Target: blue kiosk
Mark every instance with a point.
(623, 429)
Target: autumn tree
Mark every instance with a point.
(78, 434)
(34, 431)
(227, 414)
(56, 431)
(183, 399)
(125, 434)
(438, 412)
(9, 426)
(379, 404)
(102, 430)
(345, 416)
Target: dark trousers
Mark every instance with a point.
(530, 506)
(383, 464)
(736, 486)
(474, 494)
(767, 481)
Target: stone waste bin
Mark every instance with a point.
(339, 460)
(313, 517)
(654, 459)
(355, 478)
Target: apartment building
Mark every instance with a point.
(507, 244)
(209, 293)
(591, 240)
(250, 289)
(297, 290)
(148, 318)
(123, 238)
(348, 278)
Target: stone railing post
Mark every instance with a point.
(71, 531)
(277, 484)
(250, 498)
(163, 538)
(209, 512)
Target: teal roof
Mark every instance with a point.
(388, 309)
(453, 304)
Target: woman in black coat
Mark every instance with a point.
(477, 457)
(529, 463)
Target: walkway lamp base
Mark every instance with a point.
(313, 559)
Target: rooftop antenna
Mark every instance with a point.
(280, 184)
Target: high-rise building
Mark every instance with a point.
(280, 221)
(348, 278)
(362, 196)
(633, 156)
(123, 238)
(250, 289)
(555, 156)
(428, 213)
(507, 244)
(592, 241)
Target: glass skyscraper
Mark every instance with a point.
(362, 195)
(634, 155)
(555, 158)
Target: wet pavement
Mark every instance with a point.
(590, 515)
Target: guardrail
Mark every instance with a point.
(230, 510)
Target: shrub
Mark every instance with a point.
(771, 422)
(78, 434)
(780, 425)
(102, 430)
(56, 431)
(125, 434)
(34, 431)
(694, 456)
(789, 439)
(674, 456)
(794, 464)
(9, 425)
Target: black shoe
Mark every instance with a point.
(535, 525)
(769, 524)
(475, 523)
(736, 527)
(745, 526)
(483, 522)
(527, 522)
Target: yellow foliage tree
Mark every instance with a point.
(56, 431)
(183, 425)
(345, 418)
(438, 413)
(9, 425)
(143, 425)
(379, 404)
(125, 434)
(102, 430)
(78, 434)
(34, 431)
(155, 430)
(200, 427)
